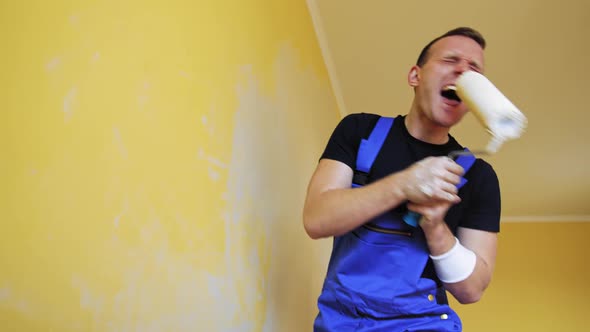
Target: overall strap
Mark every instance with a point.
(368, 150)
(465, 161)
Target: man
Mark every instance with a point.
(384, 274)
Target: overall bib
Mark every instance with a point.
(374, 280)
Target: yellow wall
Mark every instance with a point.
(540, 283)
(154, 162)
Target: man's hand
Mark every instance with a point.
(432, 179)
(432, 212)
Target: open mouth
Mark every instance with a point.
(450, 92)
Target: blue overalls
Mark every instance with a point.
(374, 278)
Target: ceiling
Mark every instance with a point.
(537, 55)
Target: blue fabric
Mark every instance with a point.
(374, 278)
(369, 148)
(374, 283)
(465, 161)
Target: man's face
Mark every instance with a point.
(448, 59)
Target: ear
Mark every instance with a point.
(414, 76)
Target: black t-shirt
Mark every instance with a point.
(480, 196)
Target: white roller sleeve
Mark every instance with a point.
(495, 112)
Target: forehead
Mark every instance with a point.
(461, 46)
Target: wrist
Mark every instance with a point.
(456, 264)
(399, 182)
(439, 237)
(393, 187)
(434, 229)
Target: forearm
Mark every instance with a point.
(471, 289)
(333, 208)
(337, 211)
(440, 241)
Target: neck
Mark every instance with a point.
(425, 129)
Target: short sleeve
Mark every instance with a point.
(483, 210)
(346, 137)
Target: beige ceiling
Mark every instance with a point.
(537, 55)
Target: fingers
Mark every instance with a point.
(433, 212)
(435, 178)
(441, 165)
(447, 191)
(449, 175)
(451, 166)
(440, 190)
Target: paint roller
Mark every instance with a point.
(501, 119)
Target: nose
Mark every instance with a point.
(462, 66)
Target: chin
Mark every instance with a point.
(450, 117)
(447, 121)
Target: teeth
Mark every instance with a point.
(450, 92)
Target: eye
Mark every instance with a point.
(451, 59)
(475, 68)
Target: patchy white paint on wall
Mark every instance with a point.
(134, 269)
(255, 201)
(22, 306)
(4, 294)
(208, 120)
(74, 19)
(207, 123)
(117, 219)
(53, 64)
(95, 57)
(211, 160)
(68, 107)
(143, 96)
(266, 188)
(213, 174)
(262, 275)
(89, 299)
(118, 141)
(16, 302)
(185, 74)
